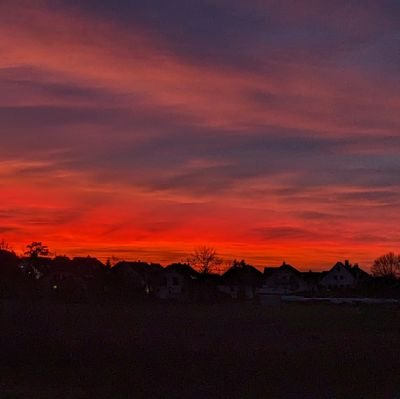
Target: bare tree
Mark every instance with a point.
(387, 265)
(204, 259)
(4, 245)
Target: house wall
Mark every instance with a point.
(173, 287)
(283, 281)
(338, 277)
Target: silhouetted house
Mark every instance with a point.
(172, 286)
(127, 276)
(344, 275)
(179, 281)
(361, 277)
(241, 281)
(283, 280)
(88, 266)
(192, 286)
(184, 269)
(312, 280)
(79, 279)
(137, 278)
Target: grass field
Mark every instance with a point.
(199, 351)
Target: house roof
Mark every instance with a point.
(289, 268)
(354, 270)
(284, 267)
(184, 269)
(142, 268)
(88, 262)
(358, 273)
(242, 274)
(77, 266)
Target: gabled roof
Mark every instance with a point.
(289, 268)
(358, 273)
(142, 268)
(88, 262)
(284, 267)
(77, 266)
(242, 274)
(339, 265)
(183, 269)
(354, 270)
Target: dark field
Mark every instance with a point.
(201, 351)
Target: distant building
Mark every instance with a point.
(312, 280)
(283, 280)
(172, 286)
(137, 278)
(241, 281)
(79, 279)
(343, 275)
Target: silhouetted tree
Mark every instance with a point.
(204, 259)
(387, 265)
(4, 245)
(36, 249)
(34, 266)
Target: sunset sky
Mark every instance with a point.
(141, 129)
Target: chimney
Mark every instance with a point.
(346, 263)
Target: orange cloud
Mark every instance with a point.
(304, 212)
(298, 94)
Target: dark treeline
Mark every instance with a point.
(38, 276)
